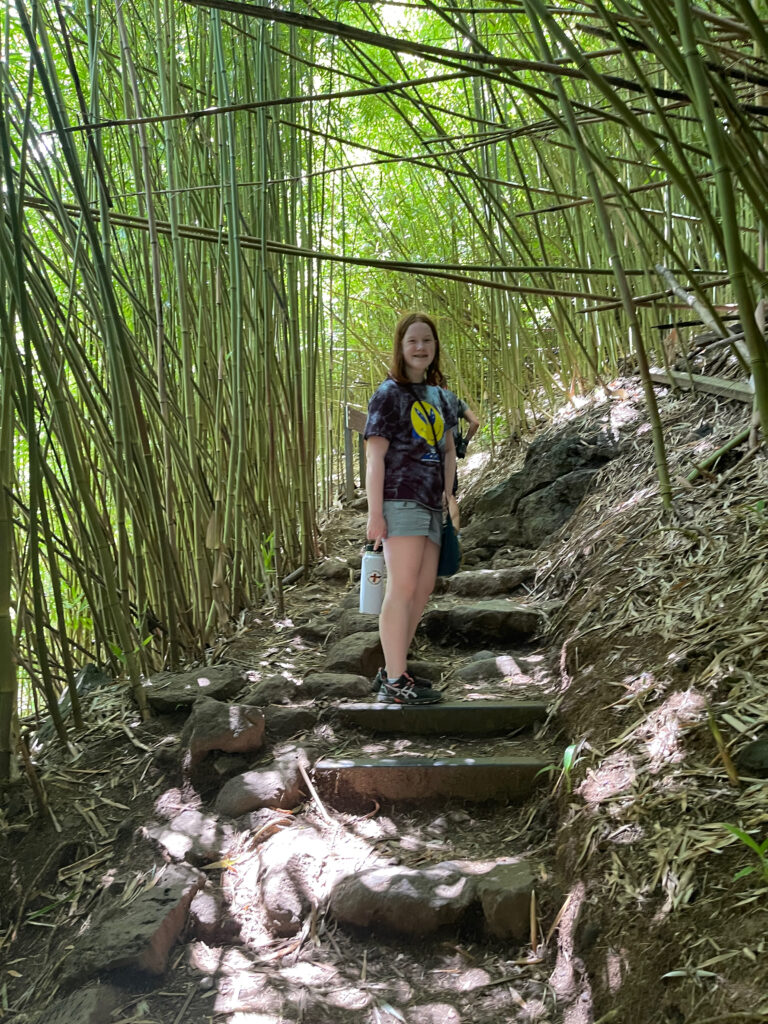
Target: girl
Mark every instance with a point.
(411, 468)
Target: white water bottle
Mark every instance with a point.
(372, 581)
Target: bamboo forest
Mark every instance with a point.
(215, 212)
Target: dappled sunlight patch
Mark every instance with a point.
(172, 801)
(210, 960)
(614, 775)
(615, 969)
(664, 728)
(434, 1013)
(469, 980)
(254, 1018)
(566, 980)
(309, 974)
(349, 997)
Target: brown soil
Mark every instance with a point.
(639, 920)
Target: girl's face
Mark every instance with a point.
(418, 351)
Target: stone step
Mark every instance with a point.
(454, 622)
(347, 782)
(452, 718)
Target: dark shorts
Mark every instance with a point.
(410, 519)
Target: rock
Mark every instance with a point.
(490, 670)
(546, 461)
(489, 582)
(191, 836)
(169, 691)
(231, 728)
(353, 621)
(298, 868)
(484, 536)
(358, 653)
(419, 901)
(318, 629)
(434, 1013)
(226, 765)
(489, 621)
(332, 569)
(334, 685)
(534, 502)
(210, 922)
(92, 1004)
(752, 760)
(505, 896)
(476, 555)
(406, 901)
(426, 669)
(276, 689)
(278, 785)
(537, 516)
(259, 819)
(137, 936)
(283, 722)
(545, 511)
(509, 558)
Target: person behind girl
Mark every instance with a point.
(461, 411)
(411, 463)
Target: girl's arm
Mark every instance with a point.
(376, 449)
(473, 422)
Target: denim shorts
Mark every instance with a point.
(411, 519)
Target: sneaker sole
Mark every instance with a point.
(410, 701)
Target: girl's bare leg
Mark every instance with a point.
(411, 570)
(424, 586)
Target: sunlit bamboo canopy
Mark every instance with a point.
(215, 211)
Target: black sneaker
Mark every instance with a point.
(418, 681)
(403, 690)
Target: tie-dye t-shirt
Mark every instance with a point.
(412, 470)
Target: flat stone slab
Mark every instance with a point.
(457, 718)
(482, 622)
(168, 692)
(349, 781)
(489, 582)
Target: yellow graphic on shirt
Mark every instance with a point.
(423, 427)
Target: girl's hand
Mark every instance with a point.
(377, 529)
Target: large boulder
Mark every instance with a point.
(231, 728)
(545, 511)
(545, 462)
(526, 508)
